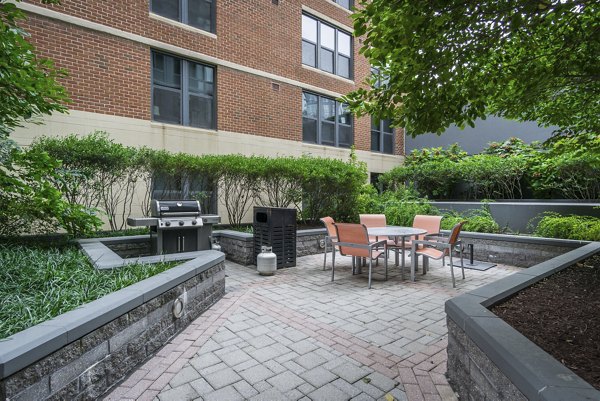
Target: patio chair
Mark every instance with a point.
(353, 240)
(438, 248)
(376, 220)
(329, 238)
(431, 224)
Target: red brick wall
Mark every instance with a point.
(112, 76)
(106, 74)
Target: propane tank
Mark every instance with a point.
(266, 261)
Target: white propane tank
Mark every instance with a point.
(266, 261)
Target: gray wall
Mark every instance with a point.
(474, 140)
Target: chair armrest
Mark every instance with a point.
(437, 238)
(435, 244)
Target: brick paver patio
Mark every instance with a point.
(298, 336)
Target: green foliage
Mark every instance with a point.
(29, 201)
(478, 221)
(453, 153)
(400, 207)
(554, 225)
(39, 283)
(450, 62)
(493, 177)
(96, 172)
(569, 168)
(28, 84)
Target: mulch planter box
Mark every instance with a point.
(489, 359)
(85, 352)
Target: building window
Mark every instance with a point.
(347, 4)
(326, 121)
(326, 47)
(197, 13)
(182, 92)
(382, 136)
(182, 186)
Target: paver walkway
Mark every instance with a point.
(298, 336)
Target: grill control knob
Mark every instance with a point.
(181, 222)
(167, 223)
(194, 222)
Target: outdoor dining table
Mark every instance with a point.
(397, 232)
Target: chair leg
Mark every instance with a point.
(386, 267)
(462, 265)
(452, 271)
(425, 263)
(370, 268)
(325, 256)
(413, 265)
(332, 265)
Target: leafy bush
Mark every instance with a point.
(95, 172)
(39, 283)
(493, 177)
(569, 167)
(432, 171)
(479, 221)
(554, 225)
(29, 202)
(400, 207)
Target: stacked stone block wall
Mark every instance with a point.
(87, 367)
(472, 374)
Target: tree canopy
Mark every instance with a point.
(28, 84)
(452, 61)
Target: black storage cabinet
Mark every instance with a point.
(276, 227)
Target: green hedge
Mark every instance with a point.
(107, 175)
(554, 225)
(567, 167)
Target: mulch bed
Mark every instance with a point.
(561, 314)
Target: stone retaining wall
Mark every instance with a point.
(83, 353)
(514, 250)
(239, 247)
(489, 360)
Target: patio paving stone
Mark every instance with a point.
(298, 336)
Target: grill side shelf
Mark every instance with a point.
(142, 221)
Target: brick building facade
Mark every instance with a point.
(241, 83)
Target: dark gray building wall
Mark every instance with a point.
(474, 140)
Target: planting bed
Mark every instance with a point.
(560, 314)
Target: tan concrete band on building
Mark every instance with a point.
(175, 138)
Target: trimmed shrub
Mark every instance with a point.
(478, 221)
(554, 225)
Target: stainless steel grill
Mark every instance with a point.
(178, 226)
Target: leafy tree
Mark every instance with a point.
(28, 84)
(450, 62)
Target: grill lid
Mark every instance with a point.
(164, 208)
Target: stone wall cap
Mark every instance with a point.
(24, 348)
(529, 367)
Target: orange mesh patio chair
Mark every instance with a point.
(438, 249)
(373, 220)
(353, 240)
(329, 238)
(429, 223)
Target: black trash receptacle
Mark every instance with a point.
(276, 227)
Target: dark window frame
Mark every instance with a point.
(381, 123)
(183, 16)
(184, 91)
(336, 54)
(337, 124)
(350, 4)
(382, 134)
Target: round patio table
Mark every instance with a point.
(397, 232)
